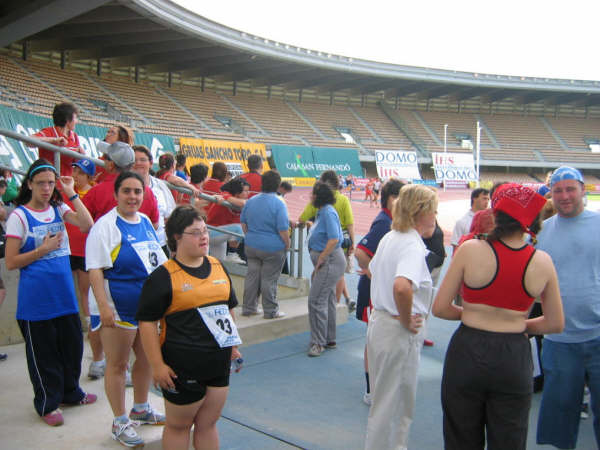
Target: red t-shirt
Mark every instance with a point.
(65, 161)
(177, 196)
(212, 186)
(255, 181)
(76, 237)
(101, 199)
(219, 215)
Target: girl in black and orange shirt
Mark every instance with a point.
(193, 299)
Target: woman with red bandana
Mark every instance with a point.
(487, 380)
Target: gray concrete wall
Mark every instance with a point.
(9, 330)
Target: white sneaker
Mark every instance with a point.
(367, 398)
(234, 258)
(96, 369)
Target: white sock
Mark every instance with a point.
(139, 407)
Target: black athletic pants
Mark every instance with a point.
(486, 388)
(54, 349)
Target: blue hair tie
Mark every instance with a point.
(43, 166)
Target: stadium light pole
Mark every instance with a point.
(478, 151)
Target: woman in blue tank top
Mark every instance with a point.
(121, 251)
(37, 244)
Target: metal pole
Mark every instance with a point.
(300, 251)
(10, 169)
(478, 151)
(292, 251)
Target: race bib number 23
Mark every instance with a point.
(220, 323)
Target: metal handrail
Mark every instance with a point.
(295, 251)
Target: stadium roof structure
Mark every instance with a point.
(158, 39)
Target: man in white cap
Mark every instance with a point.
(101, 198)
(571, 358)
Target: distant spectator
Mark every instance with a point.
(253, 176)
(544, 189)
(62, 134)
(480, 199)
(265, 223)
(180, 167)
(284, 188)
(101, 198)
(234, 192)
(12, 187)
(166, 164)
(117, 133)
(198, 174)
(164, 198)
(217, 178)
(47, 313)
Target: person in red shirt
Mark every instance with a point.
(83, 173)
(166, 163)
(254, 176)
(213, 185)
(101, 199)
(62, 134)
(236, 193)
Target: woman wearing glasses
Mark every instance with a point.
(193, 299)
(47, 313)
(121, 251)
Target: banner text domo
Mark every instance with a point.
(396, 157)
(455, 174)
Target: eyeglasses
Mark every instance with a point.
(196, 233)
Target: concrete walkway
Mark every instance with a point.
(281, 399)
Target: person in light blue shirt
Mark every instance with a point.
(327, 256)
(571, 358)
(265, 223)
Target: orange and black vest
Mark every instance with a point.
(181, 320)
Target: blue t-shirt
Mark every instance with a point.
(575, 250)
(379, 228)
(265, 215)
(327, 226)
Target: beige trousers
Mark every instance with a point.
(394, 354)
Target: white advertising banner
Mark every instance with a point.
(454, 167)
(398, 164)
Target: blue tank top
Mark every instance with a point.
(46, 287)
(137, 256)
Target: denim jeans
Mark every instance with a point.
(567, 367)
(218, 241)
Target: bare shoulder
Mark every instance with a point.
(541, 258)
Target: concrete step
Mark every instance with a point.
(257, 329)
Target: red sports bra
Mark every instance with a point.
(507, 288)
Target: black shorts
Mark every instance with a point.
(77, 263)
(201, 370)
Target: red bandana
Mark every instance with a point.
(519, 202)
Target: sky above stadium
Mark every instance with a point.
(548, 39)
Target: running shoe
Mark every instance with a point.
(96, 369)
(54, 418)
(234, 258)
(3, 356)
(331, 345)
(367, 398)
(277, 315)
(126, 435)
(147, 417)
(315, 350)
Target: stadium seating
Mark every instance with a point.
(184, 110)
